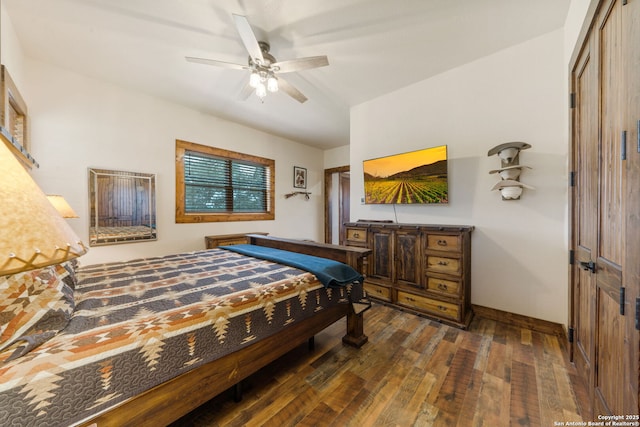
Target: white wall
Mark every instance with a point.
(79, 122)
(336, 157)
(519, 261)
(10, 51)
(578, 9)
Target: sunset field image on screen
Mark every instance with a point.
(416, 177)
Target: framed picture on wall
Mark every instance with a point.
(299, 177)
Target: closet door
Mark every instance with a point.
(605, 205)
(584, 213)
(631, 273)
(609, 255)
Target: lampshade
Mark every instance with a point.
(33, 233)
(62, 206)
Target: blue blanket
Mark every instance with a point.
(328, 272)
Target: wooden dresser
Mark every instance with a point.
(420, 267)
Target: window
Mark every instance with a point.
(220, 185)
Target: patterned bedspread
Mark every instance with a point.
(141, 323)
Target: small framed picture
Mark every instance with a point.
(299, 177)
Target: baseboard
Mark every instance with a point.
(538, 325)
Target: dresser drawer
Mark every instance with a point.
(444, 242)
(229, 242)
(444, 264)
(429, 305)
(448, 287)
(356, 235)
(376, 291)
(211, 242)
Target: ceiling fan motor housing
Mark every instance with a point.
(268, 58)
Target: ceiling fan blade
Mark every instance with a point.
(286, 87)
(300, 64)
(216, 63)
(248, 37)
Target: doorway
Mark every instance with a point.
(336, 203)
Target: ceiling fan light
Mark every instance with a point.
(272, 84)
(254, 80)
(261, 90)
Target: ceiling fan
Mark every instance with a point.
(265, 69)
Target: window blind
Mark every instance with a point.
(217, 184)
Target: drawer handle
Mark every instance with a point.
(443, 262)
(442, 308)
(356, 235)
(442, 242)
(442, 287)
(411, 299)
(379, 291)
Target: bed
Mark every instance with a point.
(152, 339)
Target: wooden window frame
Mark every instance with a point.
(14, 120)
(183, 217)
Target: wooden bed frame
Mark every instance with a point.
(169, 401)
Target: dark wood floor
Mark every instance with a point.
(413, 372)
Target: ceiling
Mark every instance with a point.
(374, 47)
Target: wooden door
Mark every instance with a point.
(631, 273)
(336, 204)
(344, 207)
(408, 258)
(584, 215)
(609, 256)
(605, 348)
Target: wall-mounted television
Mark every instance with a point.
(415, 177)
